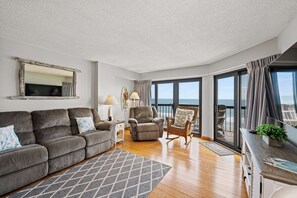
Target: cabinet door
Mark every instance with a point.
(268, 187)
(256, 181)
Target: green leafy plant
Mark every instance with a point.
(272, 131)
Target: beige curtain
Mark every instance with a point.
(143, 88)
(260, 95)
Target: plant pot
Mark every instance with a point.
(272, 142)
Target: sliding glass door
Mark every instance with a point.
(230, 102)
(167, 95)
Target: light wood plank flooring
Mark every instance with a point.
(196, 171)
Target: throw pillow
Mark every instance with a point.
(8, 138)
(85, 124)
(182, 115)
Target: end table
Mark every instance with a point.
(119, 132)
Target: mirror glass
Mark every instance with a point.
(47, 81)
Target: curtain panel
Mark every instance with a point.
(277, 95)
(295, 90)
(260, 94)
(143, 88)
(67, 89)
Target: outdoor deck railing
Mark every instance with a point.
(166, 110)
(229, 118)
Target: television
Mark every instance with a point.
(42, 90)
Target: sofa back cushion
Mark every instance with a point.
(50, 124)
(78, 113)
(142, 114)
(22, 122)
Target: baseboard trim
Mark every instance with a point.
(206, 138)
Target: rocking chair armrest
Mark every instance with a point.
(189, 123)
(170, 121)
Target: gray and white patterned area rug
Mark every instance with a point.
(217, 148)
(116, 173)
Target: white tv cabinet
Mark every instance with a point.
(262, 180)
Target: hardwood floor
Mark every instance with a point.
(196, 171)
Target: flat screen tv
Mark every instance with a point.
(42, 90)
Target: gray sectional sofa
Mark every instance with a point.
(50, 142)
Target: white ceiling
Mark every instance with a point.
(145, 35)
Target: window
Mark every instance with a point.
(167, 95)
(153, 94)
(189, 93)
(285, 90)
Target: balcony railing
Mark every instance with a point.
(229, 118)
(166, 110)
(289, 114)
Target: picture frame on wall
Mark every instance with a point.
(124, 98)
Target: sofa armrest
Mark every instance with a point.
(158, 120)
(132, 121)
(105, 125)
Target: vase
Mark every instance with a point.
(272, 142)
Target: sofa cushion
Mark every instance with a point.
(21, 158)
(182, 115)
(22, 122)
(96, 137)
(50, 124)
(64, 145)
(85, 124)
(147, 131)
(147, 127)
(75, 113)
(143, 114)
(8, 138)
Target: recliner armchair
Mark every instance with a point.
(145, 124)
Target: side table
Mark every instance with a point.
(119, 132)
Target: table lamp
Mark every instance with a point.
(110, 100)
(134, 96)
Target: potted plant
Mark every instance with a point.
(271, 134)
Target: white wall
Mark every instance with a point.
(9, 77)
(110, 81)
(207, 73)
(288, 36)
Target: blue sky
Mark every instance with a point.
(186, 90)
(285, 84)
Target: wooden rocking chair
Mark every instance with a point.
(180, 130)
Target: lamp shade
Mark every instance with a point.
(110, 100)
(134, 96)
